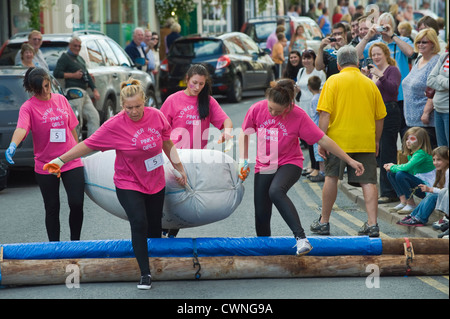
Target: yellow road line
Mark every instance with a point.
(435, 284)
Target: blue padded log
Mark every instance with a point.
(184, 247)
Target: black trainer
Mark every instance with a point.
(371, 231)
(145, 283)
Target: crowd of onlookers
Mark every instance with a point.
(409, 62)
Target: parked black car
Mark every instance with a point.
(235, 63)
(12, 96)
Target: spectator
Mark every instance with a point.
(293, 65)
(315, 86)
(419, 216)
(404, 29)
(405, 178)
(278, 53)
(408, 14)
(418, 109)
(386, 75)
(298, 40)
(401, 49)
(429, 22)
(337, 15)
(292, 11)
(359, 139)
(308, 70)
(319, 10)
(324, 22)
(35, 40)
(441, 24)
(312, 12)
(272, 38)
(354, 27)
(438, 80)
(147, 44)
(173, 35)
(26, 56)
(72, 68)
(51, 137)
(155, 39)
(136, 51)
(326, 58)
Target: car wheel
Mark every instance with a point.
(151, 99)
(108, 110)
(235, 93)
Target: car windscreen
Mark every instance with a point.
(52, 51)
(263, 30)
(12, 93)
(197, 48)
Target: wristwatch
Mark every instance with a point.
(393, 35)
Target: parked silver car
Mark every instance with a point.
(107, 62)
(12, 96)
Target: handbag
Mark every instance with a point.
(429, 92)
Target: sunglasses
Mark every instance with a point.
(422, 42)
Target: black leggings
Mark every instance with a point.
(272, 188)
(144, 212)
(73, 182)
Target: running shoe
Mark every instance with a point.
(145, 283)
(371, 231)
(303, 246)
(320, 228)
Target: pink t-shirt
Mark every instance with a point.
(138, 146)
(278, 137)
(51, 123)
(188, 131)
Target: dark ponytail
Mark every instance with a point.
(204, 95)
(33, 80)
(282, 92)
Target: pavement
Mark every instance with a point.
(427, 231)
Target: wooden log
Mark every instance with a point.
(422, 246)
(42, 272)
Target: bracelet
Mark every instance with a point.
(61, 160)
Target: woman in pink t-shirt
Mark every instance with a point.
(53, 124)
(139, 135)
(191, 112)
(279, 124)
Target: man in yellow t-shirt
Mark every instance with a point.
(352, 114)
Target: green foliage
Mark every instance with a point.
(34, 6)
(181, 9)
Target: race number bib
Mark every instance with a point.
(154, 162)
(58, 135)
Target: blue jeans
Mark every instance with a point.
(423, 211)
(441, 126)
(404, 183)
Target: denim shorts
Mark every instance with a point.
(335, 167)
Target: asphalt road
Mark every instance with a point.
(22, 220)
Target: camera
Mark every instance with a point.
(332, 39)
(369, 63)
(380, 29)
(85, 77)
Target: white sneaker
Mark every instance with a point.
(303, 246)
(406, 210)
(397, 208)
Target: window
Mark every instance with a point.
(110, 57)
(94, 54)
(249, 45)
(120, 53)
